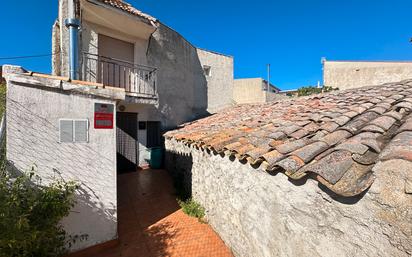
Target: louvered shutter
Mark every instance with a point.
(66, 131)
(81, 132)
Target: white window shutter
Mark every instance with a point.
(66, 131)
(81, 131)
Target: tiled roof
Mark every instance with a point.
(124, 6)
(336, 138)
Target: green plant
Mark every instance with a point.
(192, 208)
(30, 215)
(306, 91)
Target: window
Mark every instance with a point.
(207, 70)
(142, 125)
(154, 137)
(74, 131)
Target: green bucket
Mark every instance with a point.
(156, 158)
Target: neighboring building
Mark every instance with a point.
(254, 90)
(162, 73)
(354, 74)
(290, 92)
(218, 70)
(314, 176)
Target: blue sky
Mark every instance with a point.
(291, 35)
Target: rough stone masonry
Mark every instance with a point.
(262, 214)
(325, 175)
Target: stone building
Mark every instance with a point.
(254, 90)
(163, 74)
(354, 74)
(326, 175)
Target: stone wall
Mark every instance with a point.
(261, 214)
(347, 74)
(34, 107)
(220, 82)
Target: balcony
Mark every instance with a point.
(139, 81)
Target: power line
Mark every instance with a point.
(27, 56)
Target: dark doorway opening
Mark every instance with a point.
(127, 142)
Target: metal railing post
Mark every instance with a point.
(143, 81)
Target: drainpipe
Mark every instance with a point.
(73, 25)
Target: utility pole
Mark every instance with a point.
(268, 85)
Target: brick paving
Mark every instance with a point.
(152, 224)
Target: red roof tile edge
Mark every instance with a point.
(336, 138)
(126, 7)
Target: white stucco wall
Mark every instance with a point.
(33, 115)
(347, 74)
(268, 215)
(220, 81)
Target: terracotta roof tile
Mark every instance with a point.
(338, 136)
(126, 7)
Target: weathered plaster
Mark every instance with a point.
(347, 74)
(34, 107)
(261, 214)
(181, 84)
(220, 82)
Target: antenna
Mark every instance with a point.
(268, 85)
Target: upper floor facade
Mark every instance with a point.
(157, 67)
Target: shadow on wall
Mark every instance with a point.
(179, 165)
(182, 85)
(86, 204)
(33, 141)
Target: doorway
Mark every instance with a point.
(127, 142)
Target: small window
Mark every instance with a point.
(74, 131)
(207, 70)
(142, 125)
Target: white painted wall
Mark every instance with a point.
(33, 115)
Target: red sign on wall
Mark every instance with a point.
(103, 116)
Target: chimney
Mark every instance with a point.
(73, 24)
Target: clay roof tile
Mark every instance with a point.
(338, 136)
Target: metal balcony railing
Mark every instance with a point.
(136, 79)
